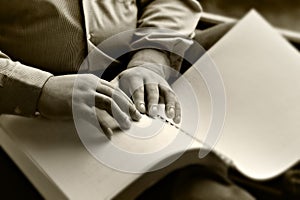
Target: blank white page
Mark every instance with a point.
(261, 74)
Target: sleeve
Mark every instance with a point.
(20, 87)
(179, 16)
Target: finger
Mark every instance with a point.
(152, 98)
(121, 99)
(126, 106)
(105, 103)
(138, 99)
(177, 117)
(170, 100)
(105, 127)
(109, 84)
(108, 89)
(136, 91)
(104, 89)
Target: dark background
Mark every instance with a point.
(281, 13)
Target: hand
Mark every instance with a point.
(92, 93)
(147, 88)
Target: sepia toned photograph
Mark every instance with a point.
(150, 99)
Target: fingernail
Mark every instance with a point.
(142, 107)
(171, 112)
(177, 119)
(138, 115)
(153, 110)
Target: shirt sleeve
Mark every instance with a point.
(179, 16)
(20, 87)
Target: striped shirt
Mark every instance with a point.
(42, 38)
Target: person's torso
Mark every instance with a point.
(53, 35)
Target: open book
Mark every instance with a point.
(260, 131)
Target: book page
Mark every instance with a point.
(261, 74)
(261, 130)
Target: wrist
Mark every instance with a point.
(152, 59)
(158, 69)
(42, 94)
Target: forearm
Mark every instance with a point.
(172, 24)
(20, 87)
(181, 16)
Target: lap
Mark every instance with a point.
(208, 180)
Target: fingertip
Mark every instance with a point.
(141, 107)
(125, 124)
(153, 110)
(177, 119)
(170, 111)
(137, 115)
(134, 113)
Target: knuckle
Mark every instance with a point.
(170, 104)
(138, 94)
(139, 90)
(152, 101)
(90, 77)
(153, 97)
(152, 90)
(86, 81)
